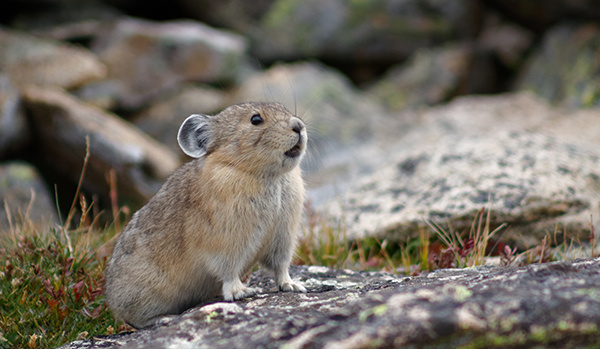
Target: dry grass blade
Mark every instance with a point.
(471, 250)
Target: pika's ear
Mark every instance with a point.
(194, 135)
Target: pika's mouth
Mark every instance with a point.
(296, 150)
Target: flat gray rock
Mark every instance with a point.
(530, 181)
(534, 165)
(555, 305)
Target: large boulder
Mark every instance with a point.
(147, 58)
(28, 60)
(62, 124)
(535, 164)
(534, 183)
(554, 305)
(565, 68)
(26, 202)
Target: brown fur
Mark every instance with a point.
(238, 203)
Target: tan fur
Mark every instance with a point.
(238, 204)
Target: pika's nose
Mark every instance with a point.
(297, 125)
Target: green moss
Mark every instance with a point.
(208, 319)
(17, 173)
(22, 172)
(593, 293)
(539, 334)
(461, 293)
(378, 310)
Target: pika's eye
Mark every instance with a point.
(256, 119)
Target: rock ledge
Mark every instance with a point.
(547, 305)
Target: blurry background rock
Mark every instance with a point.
(381, 83)
(25, 197)
(566, 68)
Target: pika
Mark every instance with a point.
(237, 203)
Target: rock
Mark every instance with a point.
(62, 124)
(430, 77)
(508, 41)
(14, 133)
(25, 200)
(565, 69)
(65, 20)
(30, 60)
(148, 58)
(554, 305)
(383, 31)
(579, 127)
(430, 135)
(103, 94)
(343, 124)
(471, 116)
(162, 119)
(539, 15)
(238, 15)
(534, 183)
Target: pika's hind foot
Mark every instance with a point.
(234, 290)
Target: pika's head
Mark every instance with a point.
(262, 138)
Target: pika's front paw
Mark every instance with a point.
(236, 290)
(291, 286)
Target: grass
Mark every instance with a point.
(51, 280)
(324, 242)
(51, 285)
